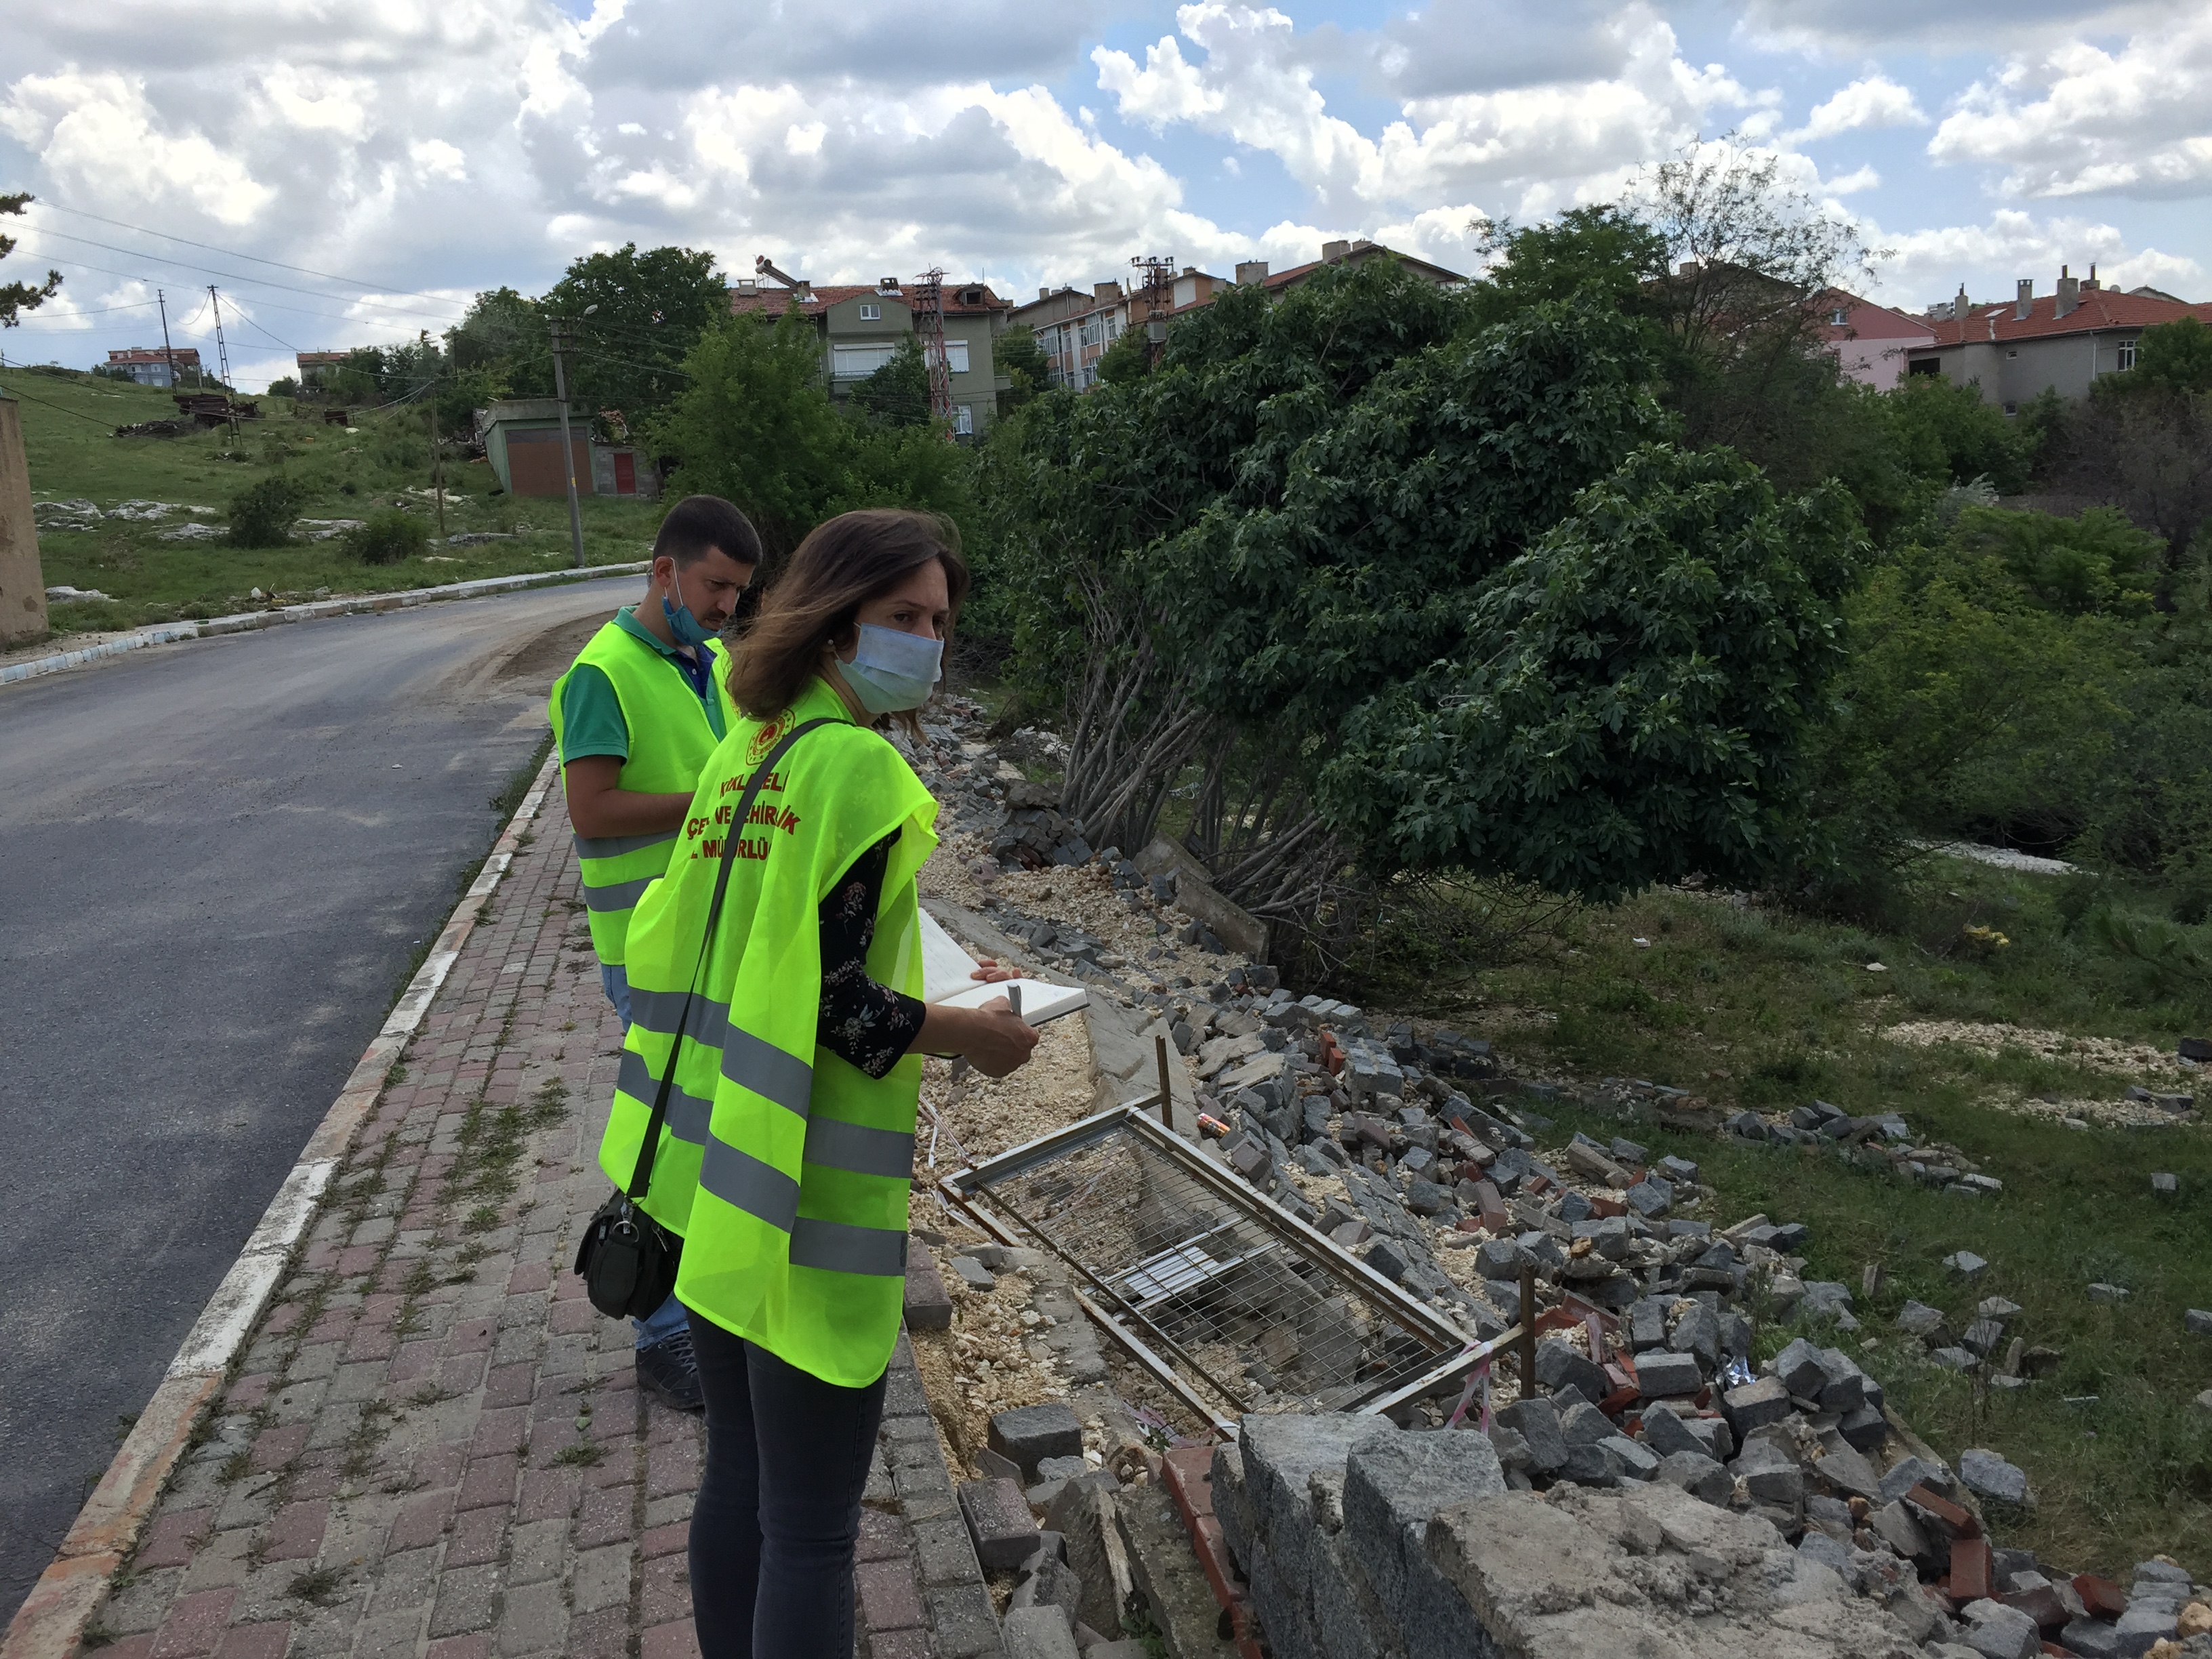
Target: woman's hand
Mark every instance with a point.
(993, 1038)
(991, 974)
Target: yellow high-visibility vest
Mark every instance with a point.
(784, 1168)
(669, 739)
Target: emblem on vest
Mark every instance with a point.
(767, 738)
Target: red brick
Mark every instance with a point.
(373, 1342)
(573, 1318)
(421, 1522)
(441, 1465)
(359, 1258)
(128, 1647)
(490, 1480)
(413, 1361)
(889, 1599)
(171, 1539)
(266, 1641)
(276, 1447)
(900, 1645)
(462, 1647)
(511, 1385)
(249, 1392)
(500, 1431)
(883, 1538)
(664, 1586)
(316, 1474)
(1946, 1514)
(677, 1639)
(282, 1319)
(606, 1516)
(530, 1276)
(476, 1539)
(2103, 1598)
(195, 1625)
(1970, 1570)
(463, 1373)
(675, 1539)
(296, 1532)
(470, 1336)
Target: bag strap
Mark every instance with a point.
(641, 1179)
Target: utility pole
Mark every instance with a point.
(222, 358)
(437, 455)
(162, 300)
(568, 446)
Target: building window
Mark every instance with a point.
(1839, 317)
(963, 420)
(854, 362)
(1093, 332)
(956, 356)
(2011, 409)
(2127, 354)
(870, 313)
(2013, 353)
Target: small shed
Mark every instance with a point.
(522, 440)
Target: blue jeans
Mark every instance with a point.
(778, 1511)
(668, 1318)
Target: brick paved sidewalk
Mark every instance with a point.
(434, 1447)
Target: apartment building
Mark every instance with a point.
(861, 327)
(2061, 341)
(149, 365)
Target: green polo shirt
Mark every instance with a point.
(590, 714)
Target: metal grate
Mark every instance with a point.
(1223, 1294)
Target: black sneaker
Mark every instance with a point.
(669, 1371)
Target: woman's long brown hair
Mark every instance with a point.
(843, 564)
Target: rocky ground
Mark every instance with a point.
(1415, 1148)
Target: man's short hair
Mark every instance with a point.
(697, 524)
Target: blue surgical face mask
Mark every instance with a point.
(686, 627)
(893, 671)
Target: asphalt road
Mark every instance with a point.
(216, 861)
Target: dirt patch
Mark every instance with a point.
(545, 657)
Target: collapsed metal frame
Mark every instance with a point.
(1153, 1283)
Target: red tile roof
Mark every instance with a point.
(2100, 309)
(774, 300)
(153, 355)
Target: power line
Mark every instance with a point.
(376, 288)
(269, 304)
(235, 276)
(94, 310)
(80, 414)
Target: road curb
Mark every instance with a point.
(53, 1619)
(356, 605)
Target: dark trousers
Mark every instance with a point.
(778, 1514)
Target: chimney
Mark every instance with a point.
(1044, 294)
(1250, 271)
(1331, 253)
(2093, 283)
(1961, 309)
(2023, 305)
(2070, 293)
(1688, 270)
(1105, 293)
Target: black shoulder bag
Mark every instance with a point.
(628, 1261)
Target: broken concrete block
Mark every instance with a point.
(1697, 1474)
(1567, 1577)
(1699, 1332)
(1798, 1369)
(999, 1523)
(1029, 1434)
(1918, 1319)
(1048, 1582)
(1647, 1323)
(1770, 1475)
(1559, 1367)
(1988, 1475)
(1536, 1421)
(973, 1274)
(1583, 1425)
(2198, 1321)
(1965, 1264)
(1895, 1526)
(1391, 1489)
(1627, 1460)
(1997, 1631)
(1668, 1376)
(1756, 1403)
(2108, 1294)
(1037, 1633)
(928, 1304)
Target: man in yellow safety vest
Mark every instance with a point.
(635, 718)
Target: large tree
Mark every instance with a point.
(632, 318)
(16, 298)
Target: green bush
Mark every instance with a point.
(388, 537)
(261, 514)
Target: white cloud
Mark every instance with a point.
(101, 134)
(1874, 102)
(1529, 146)
(1929, 264)
(1849, 27)
(2077, 119)
(1850, 184)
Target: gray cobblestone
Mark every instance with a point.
(536, 1620)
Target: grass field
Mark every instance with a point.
(1754, 1008)
(68, 421)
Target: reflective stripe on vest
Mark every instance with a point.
(671, 739)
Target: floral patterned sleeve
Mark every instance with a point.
(862, 1022)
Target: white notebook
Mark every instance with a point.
(946, 977)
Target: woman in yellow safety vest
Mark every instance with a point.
(794, 1245)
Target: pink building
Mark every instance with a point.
(1871, 341)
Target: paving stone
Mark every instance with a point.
(1667, 1375)
(1755, 1404)
(1559, 1367)
(1988, 1475)
(1028, 1434)
(999, 1523)
(1536, 1421)
(1037, 1633)
(1697, 1474)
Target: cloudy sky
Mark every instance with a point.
(409, 152)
